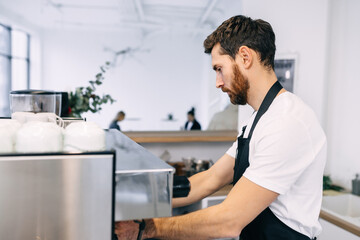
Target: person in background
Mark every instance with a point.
(276, 165)
(119, 117)
(192, 123)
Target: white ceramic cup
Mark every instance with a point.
(8, 129)
(35, 136)
(21, 116)
(37, 117)
(24, 117)
(84, 136)
(52, 117)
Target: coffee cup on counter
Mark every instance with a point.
(84, 136)
(22, 117)
(36, 136)
(51, 117)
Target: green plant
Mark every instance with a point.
(84, 99)
(328, 185)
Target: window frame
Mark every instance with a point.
(10, 56)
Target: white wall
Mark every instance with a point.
(163, 78)
(343, 84)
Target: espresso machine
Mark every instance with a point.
(80, 195)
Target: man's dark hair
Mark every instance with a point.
(243, 31)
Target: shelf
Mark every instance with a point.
(181, 136)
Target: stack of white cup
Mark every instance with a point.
(41, 132)
(36, 136)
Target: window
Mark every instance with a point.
(14, 64)
(20, 60)
(5, 69)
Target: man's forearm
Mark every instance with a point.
(212, 222)
(245, 201)
(205, 183)
(202, 185)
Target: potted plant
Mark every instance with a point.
(85, 99)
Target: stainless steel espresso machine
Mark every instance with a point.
(72, 196)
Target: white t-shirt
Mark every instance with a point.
(287, 155)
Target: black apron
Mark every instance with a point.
(266, 226)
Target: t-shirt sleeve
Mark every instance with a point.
(232, 150)
(281, 151)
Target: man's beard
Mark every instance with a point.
(239, 87)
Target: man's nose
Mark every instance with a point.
(219, 81)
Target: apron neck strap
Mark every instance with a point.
(270, 96)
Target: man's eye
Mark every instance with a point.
(218, 69)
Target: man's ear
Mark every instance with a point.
(245, 57)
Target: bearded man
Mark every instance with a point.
(277, 163)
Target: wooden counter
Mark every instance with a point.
(181, 136)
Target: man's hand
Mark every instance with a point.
(126, 230)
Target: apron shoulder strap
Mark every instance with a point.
(270, 96)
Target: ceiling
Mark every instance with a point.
(145, 15)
